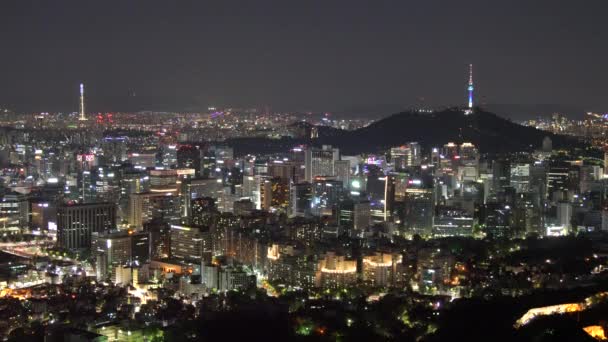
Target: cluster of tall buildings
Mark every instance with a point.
(309, 216)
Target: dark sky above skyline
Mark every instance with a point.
(300, 55)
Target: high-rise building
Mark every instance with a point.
(452, 222)
(243, 207)
(76, 223)
(379, 269)
(197, 188)
(558, 181)
(223, 153)
(280, 194)
(266, 194)
(418, 207)
(44, 216)
(119, 249)
(287, 170)
(468, 154)
(520, 177)
(497, 219)
(125, 275)
(326, 194)
(336, 271)
(528, 213)
(169, 156)
(163, 180)
(202, 211)
(235, 278)
(342, 172)
(14, 212)
(226, 201)
(191, 243)
(251, 189)
(189, 156)
(131, 182)
(320, 162)
(406, 156)
(142, 161)
(144, 207)
(355, 215)
(223, 234)
(301, 199)
(210, 275)
(501, 174)
(362, 215)
(564, 214)
(160, 238)
(105, 185)
(434, 267)
(590, 178)
(86, 190)
(450, 150)
(208, 164)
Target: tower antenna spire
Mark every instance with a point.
(470, 88)
(82, 117)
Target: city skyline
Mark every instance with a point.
(303, 171)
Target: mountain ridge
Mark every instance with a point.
(488, 131)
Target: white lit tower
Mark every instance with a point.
(82, 117)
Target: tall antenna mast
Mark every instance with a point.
(82, 117)
(470, 88)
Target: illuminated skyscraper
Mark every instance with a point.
(326, 194)
(320, 162)
(418, 207)
(190, 243)
(82, 117)
(405, 156)
(145, 207)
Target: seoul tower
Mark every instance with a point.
(470, 88)
(82, 118)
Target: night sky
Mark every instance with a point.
(300, 55)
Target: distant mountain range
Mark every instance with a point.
(517, 112)
(488, 131)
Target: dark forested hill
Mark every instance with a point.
(489, 132)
